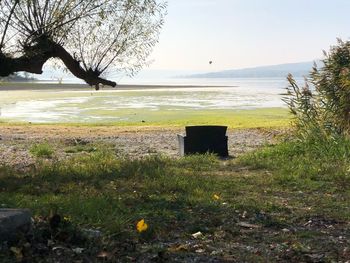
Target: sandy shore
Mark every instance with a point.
(56, 86)
(16, 140)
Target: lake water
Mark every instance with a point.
(112, 105)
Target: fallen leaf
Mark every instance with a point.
(182, 247)
(58, 249)
(247, 225)
(104, 255)
(197, 235)
(141, 226)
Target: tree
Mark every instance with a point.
(90, 37)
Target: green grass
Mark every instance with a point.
(268, 117)
(311, 168)
(42, 150)
(310, 160)
(275, 188)
(258, 118)
(80, 148)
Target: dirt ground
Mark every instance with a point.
(135, 142)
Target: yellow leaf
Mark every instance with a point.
(216, 197)
(141, 226)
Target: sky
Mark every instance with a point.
(248, 33)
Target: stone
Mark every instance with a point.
(13, 222)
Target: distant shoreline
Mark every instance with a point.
(55, 86)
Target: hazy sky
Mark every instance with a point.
(244, 33)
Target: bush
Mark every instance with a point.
(321, 107)
(320, 150)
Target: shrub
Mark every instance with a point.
(321, 107)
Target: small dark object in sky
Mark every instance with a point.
(210, 62)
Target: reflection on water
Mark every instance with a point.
(87, 106)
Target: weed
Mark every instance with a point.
(42, 150)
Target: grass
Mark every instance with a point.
(311, 160)
(258, 118)
(42, 150)
(293, 212)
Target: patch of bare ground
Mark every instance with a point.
(134, 142)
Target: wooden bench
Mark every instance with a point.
(204, 139)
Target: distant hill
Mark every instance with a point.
(282, 70)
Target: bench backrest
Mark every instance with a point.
(206, 131)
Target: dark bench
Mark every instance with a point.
(204, 139)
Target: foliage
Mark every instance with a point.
(321, 107)
(89, 37)
(42, 150)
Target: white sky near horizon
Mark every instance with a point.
(247, 33)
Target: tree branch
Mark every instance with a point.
(7, 24)
(35, 58)
(89, 76)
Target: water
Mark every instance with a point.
(122, 105)
(279, 83)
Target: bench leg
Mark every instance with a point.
(181, 140)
